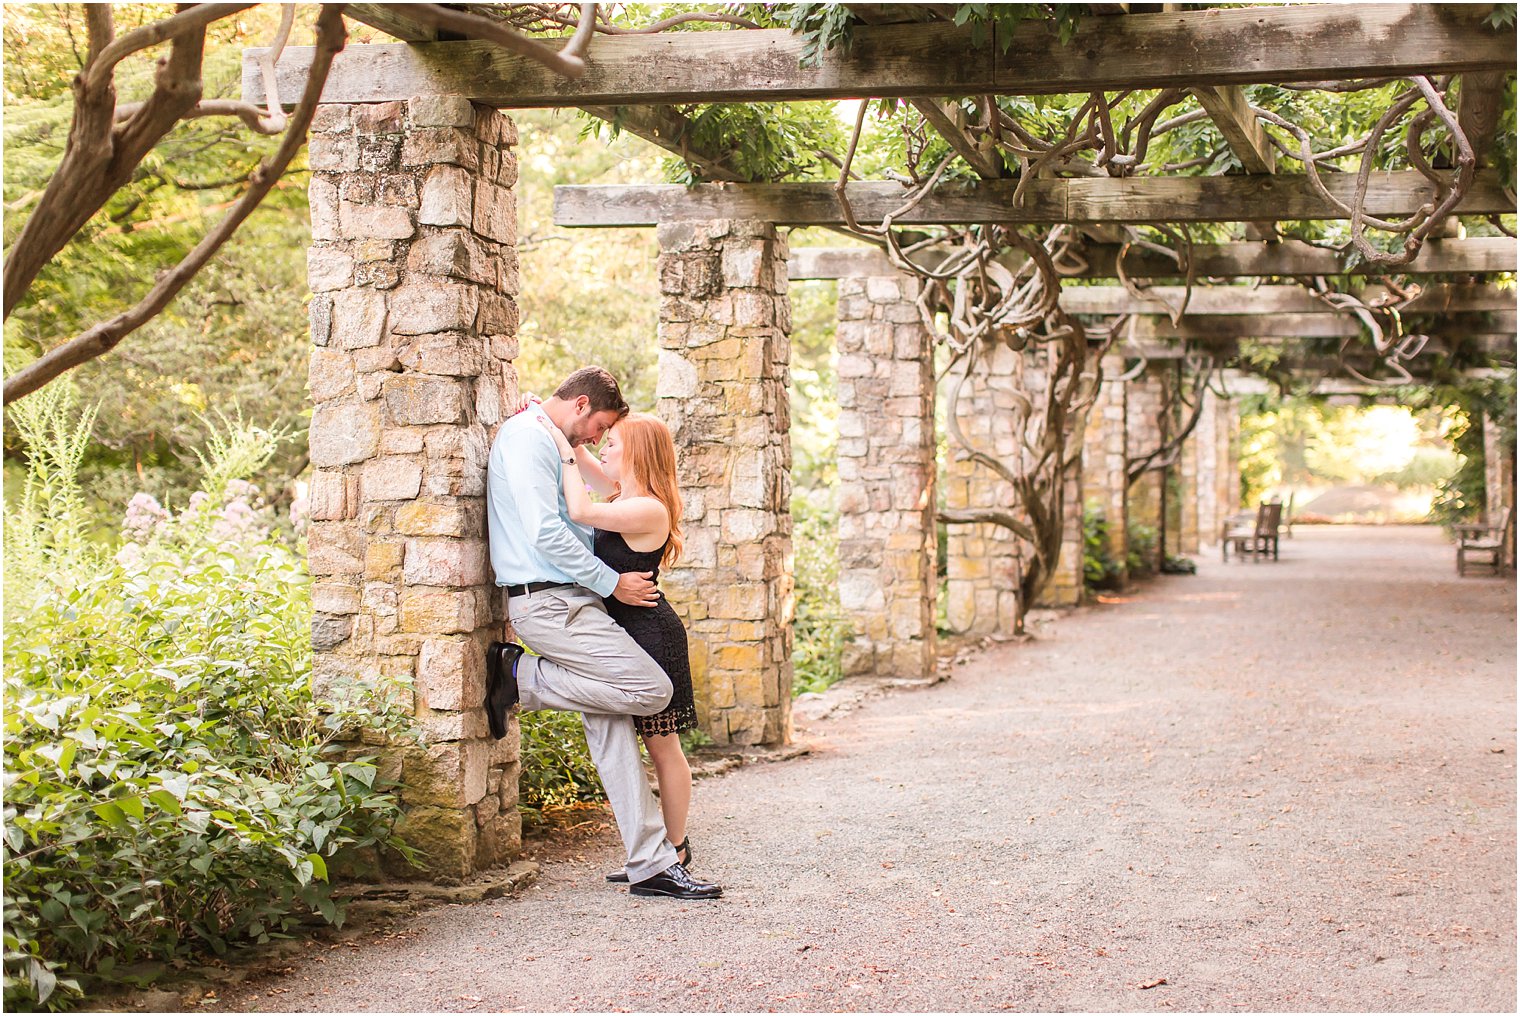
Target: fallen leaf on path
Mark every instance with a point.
(1153, 984)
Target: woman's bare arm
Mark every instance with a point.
(592, 473)
(637, 516)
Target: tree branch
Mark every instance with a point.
(569, 61)
(103, 337)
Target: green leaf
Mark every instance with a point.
(166, 801)
(44, 981)
(112, 813)
(318, 866)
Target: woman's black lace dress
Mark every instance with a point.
(658, 631)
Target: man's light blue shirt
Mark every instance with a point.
(532, 537)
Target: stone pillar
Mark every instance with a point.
(1190, 490)
(1143, 434)
(1211, 509)
(414, 326)
(887, 582)
(1063, 587)
(723, 382)
(1499, 483)
(982, 560)
(1103, 451)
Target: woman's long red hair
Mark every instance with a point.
(649, 457)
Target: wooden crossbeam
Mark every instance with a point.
(1479, 106)
(1306, 326)
(1239, 46)
(1231, 112)
(659, 125)
(1261, 300)
(1045, 202)
(1478, 255)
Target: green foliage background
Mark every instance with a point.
(173, 785)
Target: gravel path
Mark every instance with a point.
(1283, 786)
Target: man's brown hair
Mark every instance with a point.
(600, 387)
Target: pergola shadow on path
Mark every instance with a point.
(1265, 787)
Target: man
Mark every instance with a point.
(555, 586)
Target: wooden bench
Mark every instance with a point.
(1257, 537)
(1483, 540)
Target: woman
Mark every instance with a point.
(638, 528)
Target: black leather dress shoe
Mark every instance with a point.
(683, 854)
(501, 684)
(674, 882)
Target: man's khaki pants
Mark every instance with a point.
(587, 664)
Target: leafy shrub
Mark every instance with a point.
(1099, 570)
(172, 785)
(1141, 559)
(556, 763)
(821, 627)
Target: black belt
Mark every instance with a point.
(536, 587)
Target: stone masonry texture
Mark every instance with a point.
(1143, 435)
(1103, 451)
(413, 270)
(724, 372)
(886, 456)
(982, 560)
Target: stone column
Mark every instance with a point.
(1498, 483)
(887, 582)
(723, 381)
(1211, 510)
(1189, 491)
(982, 560)
(414, 326)
(1143, 434)
(1103, 453)
(1063, 588)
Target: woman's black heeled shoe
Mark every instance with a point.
(621, 875)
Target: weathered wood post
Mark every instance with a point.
(723, 379)
(886, 455)
(414, 326)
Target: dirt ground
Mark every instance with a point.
(1271, 786)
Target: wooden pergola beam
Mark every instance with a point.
(1224, 347)
(1261, 300)
(1045, 202)
(1479, 105)
(1231, 112)
(1239, 46)
(1310, 326)
(659, 125)
(1478, 255)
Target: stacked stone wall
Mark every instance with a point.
(982, 560)
(723, 389)
(1063, 587)
(1103, 450)
(1213, 452)
(414, 327)
(1142, 435)
(1499, 483)
(1190, 488)
(886, 456)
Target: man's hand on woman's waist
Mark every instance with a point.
(635, 589)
